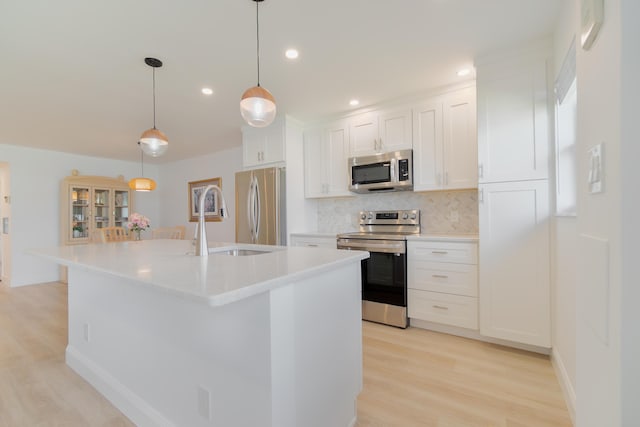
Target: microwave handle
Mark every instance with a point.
(392, 172)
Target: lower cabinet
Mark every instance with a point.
(514, 262)
(442, 281)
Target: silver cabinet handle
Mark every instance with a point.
(440, 252)
(441, 307)
(481, 195)
(312, 245)
(480, 170)
(440, 276)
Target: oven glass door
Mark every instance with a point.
(384, 278)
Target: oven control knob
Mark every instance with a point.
(405, 215)
(413, 216)
(370, 216)
(363, 216)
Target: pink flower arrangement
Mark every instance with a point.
(138, 222)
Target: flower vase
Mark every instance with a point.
(136, 235)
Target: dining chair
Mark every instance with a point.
(112, 234)
(176, 232)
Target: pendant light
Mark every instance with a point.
(142, 183)
(153, 142)
(257, 105)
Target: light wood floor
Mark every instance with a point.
(412, 377)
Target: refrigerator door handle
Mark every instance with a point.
(257, 210)
(251, 209)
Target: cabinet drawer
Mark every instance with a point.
(449, 278)
(452, 310)
(313, 242)
(458, 252)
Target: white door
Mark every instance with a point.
(427, 145)
(363, 134)
(514, 262)
(337, 144)
(460, 142)
(513, 122)
(394, 130)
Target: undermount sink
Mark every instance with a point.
(239, 251)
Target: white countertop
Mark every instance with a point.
(444, 237)
(218, 279)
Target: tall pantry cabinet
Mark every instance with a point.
(514, 134)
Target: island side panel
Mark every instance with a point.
(323, 315)
(163, 359)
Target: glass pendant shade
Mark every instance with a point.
(142, 184)
(258, 107)
(154, 143)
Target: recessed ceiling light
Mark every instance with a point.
(463, 72)
(291, 53)
(207, 91)
(354, 102)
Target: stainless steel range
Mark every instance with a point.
(384, 274)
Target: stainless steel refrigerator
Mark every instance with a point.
(261, 206)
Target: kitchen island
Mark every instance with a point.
(238, 338)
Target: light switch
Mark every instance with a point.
(596, 169)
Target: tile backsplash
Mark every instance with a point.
(438, 210)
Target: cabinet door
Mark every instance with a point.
(274, 143)
(315, 171)
(513, 122)
(101, 208)
(363, 134)
(253, 142)
(79, 220)
(337, 145)
(427, 145)
(460, 144)
(514, 262)
(121, 207)
(394, 130)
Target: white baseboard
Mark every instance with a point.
(129, 403)
(474, 334)
(565, 384)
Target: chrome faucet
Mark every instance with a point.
(202, 249)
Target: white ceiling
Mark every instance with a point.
(73, 78)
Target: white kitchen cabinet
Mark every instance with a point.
(380, 131)
(263, 147)
(513, 119)
(325, 161)
(514, 262)
(313, 240)
(445, 142)
(442, 281)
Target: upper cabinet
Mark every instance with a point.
(513, 119)
(380, 131)
(89, 203)
(325, 160)
(445, 142)
(263, 146)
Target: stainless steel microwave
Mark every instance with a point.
(392, 171)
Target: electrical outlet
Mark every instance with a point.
(204, 403)
(87, 332)
(454, 217)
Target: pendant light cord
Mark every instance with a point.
(141, 160)
(258, 39)
(154, 97)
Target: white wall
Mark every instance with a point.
(35, 177)
(563, 244)
(174, 196)
(600, 288)
(630, 206)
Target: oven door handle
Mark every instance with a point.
(373, 246)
